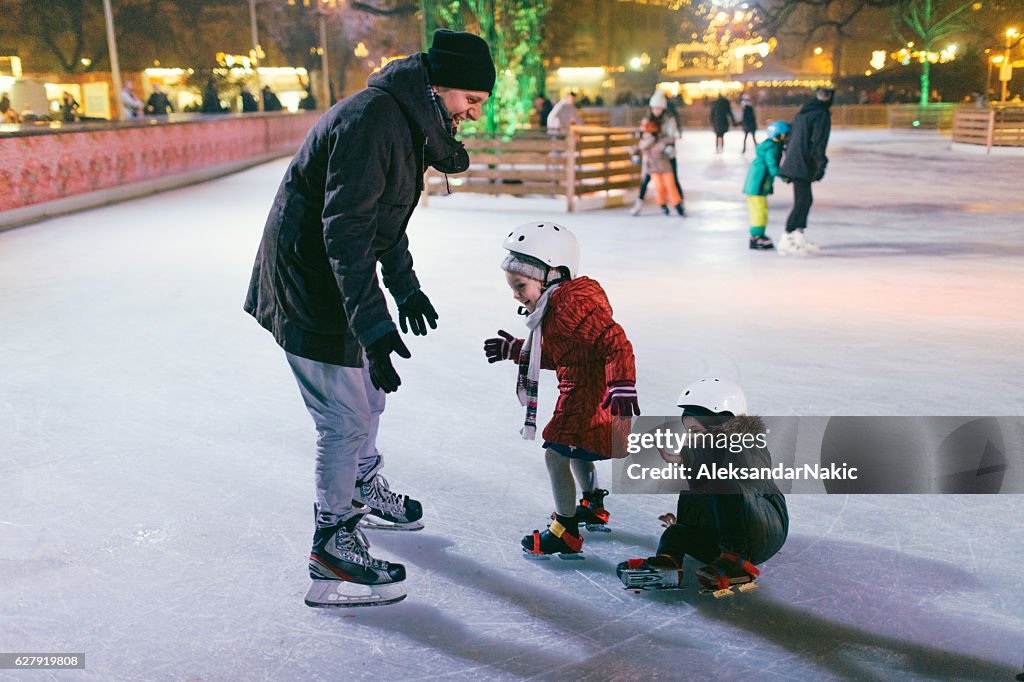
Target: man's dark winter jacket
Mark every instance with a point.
(721, 116)
(342, 207)
(805, 152)
(749, 119)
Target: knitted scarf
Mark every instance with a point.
(529, 365)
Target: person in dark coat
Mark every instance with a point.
(211, 99)
(543, 106)
(749, 121)
(157, 104)
(341, 210)
(573, 333)
(731, 525)
(308, 102)
(249, 103)
(721, 119)
(270, 100)
(804, 163)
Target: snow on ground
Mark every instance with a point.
(156, 459)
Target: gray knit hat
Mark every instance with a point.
(528, 266)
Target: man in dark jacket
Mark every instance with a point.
(721, 119)
(158, 104)
(249, 103)
(342, 208)
(270, 100)
(749, 121)
(805, 163)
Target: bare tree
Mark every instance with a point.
(73, 33)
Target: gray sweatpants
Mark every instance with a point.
(346, 410)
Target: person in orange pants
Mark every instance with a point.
(656, 162)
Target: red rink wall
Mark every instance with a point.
(46, 165)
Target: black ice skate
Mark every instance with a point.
(653, 573)
(387, 510)
(763, 243)
(344, 573)
(557, 539)
(726, 571)
(591, 511)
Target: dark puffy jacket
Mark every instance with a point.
(749, 119)
(808, 138)
(721, 116)
(761, 523)
(588, 350)
(342, 207)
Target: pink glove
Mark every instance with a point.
(621, 398)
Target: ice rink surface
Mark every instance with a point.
(156, 460)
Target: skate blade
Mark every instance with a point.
(564, 556)
(597, 528)
(649, 581)
(342, 593)
(728, 591)
(374, 522)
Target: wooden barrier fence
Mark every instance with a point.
(932, 117)
(696, 116)
(993, 127)
(588, 161)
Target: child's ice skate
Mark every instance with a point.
(557, 539)
(344, 573)
(387, 510)
(726, 571)
(591, 512)
(762, 243)
(653, 573)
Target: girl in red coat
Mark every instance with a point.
(573, 333)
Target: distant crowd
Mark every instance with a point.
(156, 105)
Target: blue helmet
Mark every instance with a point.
(776, 128)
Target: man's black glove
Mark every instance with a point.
(416, 312)
(378, 353)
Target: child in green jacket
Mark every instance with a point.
(760, 179)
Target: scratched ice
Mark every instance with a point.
(156, 466)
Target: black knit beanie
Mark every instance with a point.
(460, 60)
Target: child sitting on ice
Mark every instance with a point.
(571, 330)
(729, 525)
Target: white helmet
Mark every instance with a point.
(715, 395)
(550, 243)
